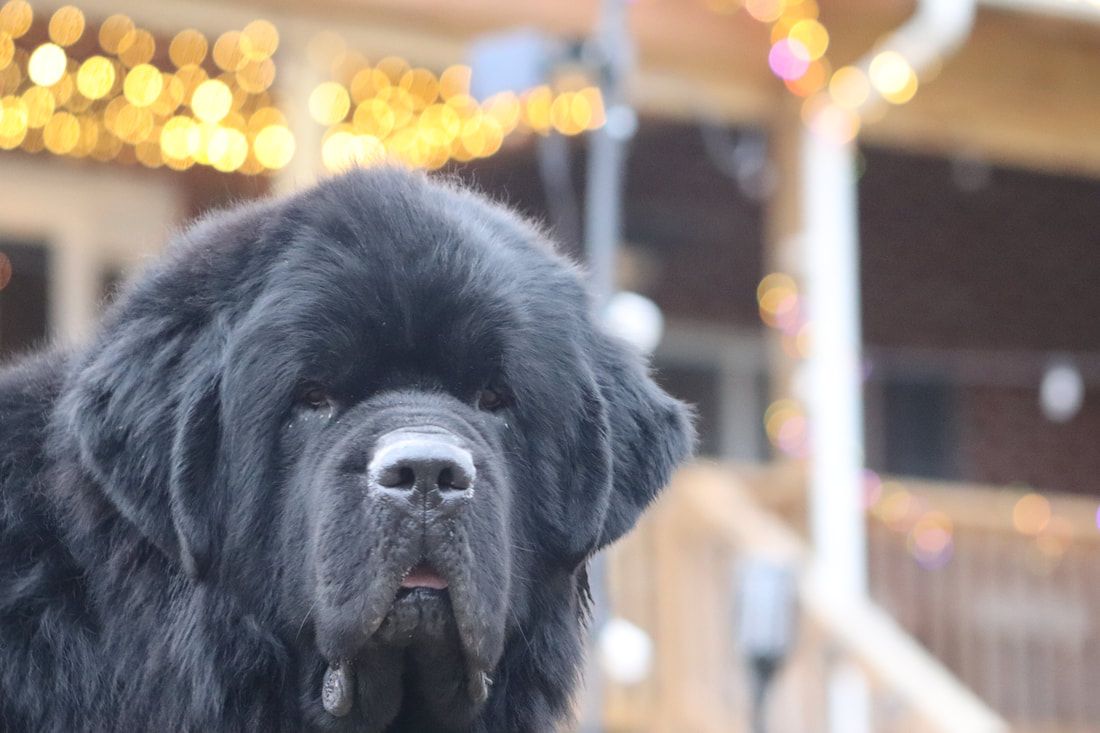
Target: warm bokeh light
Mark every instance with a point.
(343, 150)
(113, 31)
(889, 72)
(329, 103)
(536, 108)
(7, 49)
(811, 38)
(787, 59)
(232, 150)
(903, 95)
(454, 80)
(777, 296)
(174, 109)
(849, 87)
(261, 39)
(187, 47)
(143, 85)
(274, 146)
(786, 427)
(66, 25)
(13, 118)
(132, 124)
(137, 47)
(232, 51)
(799, 42)
(256, 76)
(179, 138)
(374, 117)
(46, 64)
(61, 133)
(439, 124)
(1031, 514)
(16, 17)
(812, 81)
(40, 105)
(211, 100)
(930, 541)
(766, 11)
(95, 77)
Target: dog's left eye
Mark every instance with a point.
(492, 399)
(315, 397)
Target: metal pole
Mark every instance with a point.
(612, 53)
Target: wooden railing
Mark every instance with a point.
(1015, 615)
(676, 578)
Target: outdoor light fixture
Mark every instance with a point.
(626, 652)
(1061, 392)
(635, 319)
(765, 625)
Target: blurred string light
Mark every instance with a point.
(837, 100)
(5, 270)
(390, 110)
(781, 308)
(929, 532)
(211, 106)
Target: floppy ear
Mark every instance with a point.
(649, 432)
(144, 410)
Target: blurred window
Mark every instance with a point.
(920, 428)
(728, 400)
(24, 301)
(699, 386)
(110, 282)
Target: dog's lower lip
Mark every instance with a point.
(424, 576)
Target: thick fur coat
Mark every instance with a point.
(361, 439)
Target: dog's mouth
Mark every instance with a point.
(422, 619)
(423, 575)
(422, 610)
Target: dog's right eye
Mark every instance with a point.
(493, 398)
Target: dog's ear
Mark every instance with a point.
(649, 434)
(143, 405)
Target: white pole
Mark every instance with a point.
(834, 394)
(834, 397)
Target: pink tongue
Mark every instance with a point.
(423, 576)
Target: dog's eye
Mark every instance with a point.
(492, 399)
(315, 397)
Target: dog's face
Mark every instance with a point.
(392, 426)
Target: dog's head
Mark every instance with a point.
(379, 412)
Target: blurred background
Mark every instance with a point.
(861, 236)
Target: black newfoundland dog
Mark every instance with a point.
(335, 463)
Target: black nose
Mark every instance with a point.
(422, 462)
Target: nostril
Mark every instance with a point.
(397, 477)
(446, 479)
(406, 476)
(454, 477)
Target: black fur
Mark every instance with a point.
(186, 546)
